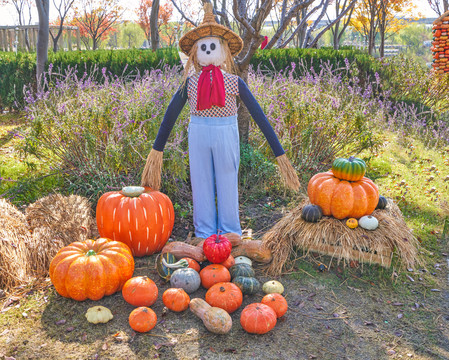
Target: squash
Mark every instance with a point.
(181, 249)
(192, 264)
(352, 223)
(142, 319)
(98, 314)
(187, 279)
(213, 274)
(258, 318)
(140, 217)
(216, 320)
(352, 169)
(91, 269)
(243, 260)
(383, 202)
(234, 238)
(368, 222)
(217, 248)
(253, 249)
(230, 261)
(176, 299)
(241, 270)
(340, 198)
(248, 285)
(166, 265)
(273, 286)
(225, 295)
(277, 302)
(311, 213)
(140, 291)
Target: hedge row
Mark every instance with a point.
(19, 70)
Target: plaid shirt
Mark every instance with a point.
(231, 90)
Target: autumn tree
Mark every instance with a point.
(151, 16)
(439, 6)
(63, 7)
(96, 19)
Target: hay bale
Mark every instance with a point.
(332, 237)
(66, 218)
(14, 237)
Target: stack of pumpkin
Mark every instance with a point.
(141, 220)
(344, 192)
(440, 44)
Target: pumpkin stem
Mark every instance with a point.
(133, 191)
(217, 239)
(180, 264)
(90, 253)
(222, 289)
(351, 158)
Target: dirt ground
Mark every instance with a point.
(342, 313)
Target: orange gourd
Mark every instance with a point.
(341, 198)
(277, 302)
(230, 261)
(258, 318)
(225, 295)
(176, 299)
(213, 274)
(141, 219)
(140, 291)
(193, 264)
(142, 319)
(91, 269)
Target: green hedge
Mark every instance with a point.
(19, 70)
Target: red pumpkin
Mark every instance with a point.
(225, 295)
(140, 291)
(91, 269)
(277, 302)
(230, 261)
(217, 248)
(142, 219)
(213, 274)
(142, 319)
(176, 299)
(258, 318)
(193, 264)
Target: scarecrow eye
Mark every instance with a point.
(212, 46)
(203, 47)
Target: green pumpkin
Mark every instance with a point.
(166, 265)
(382, 204)
(352, 169)
(311, 213)
(248, 285)
(241, 270)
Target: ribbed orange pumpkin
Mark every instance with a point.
(176, 299)
(258, 318)
(213, 274)
(142, 319)
(91, 269)
(225, 295)
(341, 198)
(277, 302)
(140, 217)
(140, 291)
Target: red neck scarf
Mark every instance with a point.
(210, 93)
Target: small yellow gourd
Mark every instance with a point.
(352, 223)
(98, 314)
(273, 286)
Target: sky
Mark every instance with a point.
(8, 15)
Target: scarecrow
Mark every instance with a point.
(213, 137)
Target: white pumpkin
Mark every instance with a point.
(273, 286)
(98, 314)
(243, 260)
(368, 222)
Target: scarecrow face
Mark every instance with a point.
(210, 51)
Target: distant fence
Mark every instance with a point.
(24, 38)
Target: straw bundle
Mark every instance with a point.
(332, 237)
(67, 218)
(14, 236)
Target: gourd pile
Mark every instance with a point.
(440, 45)
(140, 222)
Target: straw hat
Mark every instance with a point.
(209, 27)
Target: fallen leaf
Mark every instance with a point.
(318, 307)
(69, 329)
(391, 352)
(311, 296)
(400, 316)
(230, 350)
(105, 346)
(369, 323)
(61, 322)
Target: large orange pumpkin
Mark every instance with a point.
(341, 198)
(91, 269)
(140, 217)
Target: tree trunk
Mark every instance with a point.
(336, 39)
(43, 8)
(446, 5)
(154, 16)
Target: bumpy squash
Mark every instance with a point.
(253, 249)
(98, 314)
(341, 198)
(241, 270)
(91, 269)
(216, 320)
(248, 285)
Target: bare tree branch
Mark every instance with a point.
(182, 13)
